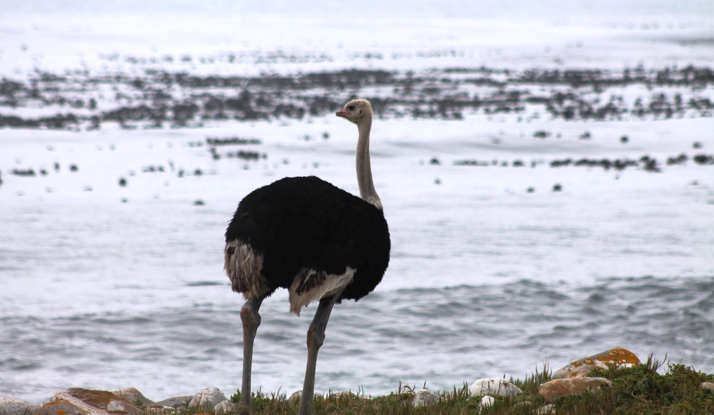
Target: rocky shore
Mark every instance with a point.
(82, 100)
(543, 393)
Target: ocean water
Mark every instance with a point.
(106, 287)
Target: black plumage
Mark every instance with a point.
(300, 223)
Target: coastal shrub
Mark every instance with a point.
(651, 388)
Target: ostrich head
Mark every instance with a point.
(356, 110)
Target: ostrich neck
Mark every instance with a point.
(364, 167)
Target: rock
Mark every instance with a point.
(209, 398)
(580, 368)
(295, 397)
(10, 406)
(487, 401)
(98, 402)
(60, 408)
(99, 399)
(115, 406)
(176, 402)
(425, 398)
(96, 398)
(225, 407)
(494, 386)
(561, 387)
(708, 386)
(134, 396)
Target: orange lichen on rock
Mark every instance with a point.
(620, 356)
(561, 387)
(581, 367)
(60, 408)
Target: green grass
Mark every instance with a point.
(651, 388)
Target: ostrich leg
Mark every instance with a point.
(251, 320)
(315, 338)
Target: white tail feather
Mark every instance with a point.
(332, 284)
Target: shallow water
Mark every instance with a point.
(485, 278)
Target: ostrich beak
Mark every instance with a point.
(342, 113)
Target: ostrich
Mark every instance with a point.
(318, 241)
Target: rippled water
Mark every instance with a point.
(444, 336)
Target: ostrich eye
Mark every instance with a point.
(351, 107)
